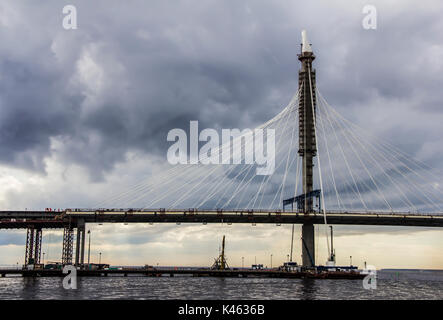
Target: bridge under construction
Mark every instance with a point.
(384, 177)
(74, 221)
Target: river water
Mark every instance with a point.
(138, 287)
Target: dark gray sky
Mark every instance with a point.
(86, 111)
(130, 73)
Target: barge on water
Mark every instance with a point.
(203, 272)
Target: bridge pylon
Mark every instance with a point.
(307, 143)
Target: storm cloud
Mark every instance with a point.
(130, 73)
(92, 107)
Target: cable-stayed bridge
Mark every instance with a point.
(327, 170)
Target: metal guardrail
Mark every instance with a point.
(244, 211)
(71, 211)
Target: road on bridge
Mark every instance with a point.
(45, 219)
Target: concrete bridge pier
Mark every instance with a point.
(308, 245)
(80, 244)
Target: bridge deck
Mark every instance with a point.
(45, 219)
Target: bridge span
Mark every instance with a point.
(72, 217)
(75, 220)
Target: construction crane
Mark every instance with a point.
(220, 262)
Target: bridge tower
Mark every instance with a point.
(307, 144)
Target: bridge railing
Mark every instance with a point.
(240, 211)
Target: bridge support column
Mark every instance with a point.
(80, 247)
(33, 246)
(68, 245)
(308, 245)
(307, 142)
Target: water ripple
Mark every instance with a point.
(215, 288)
